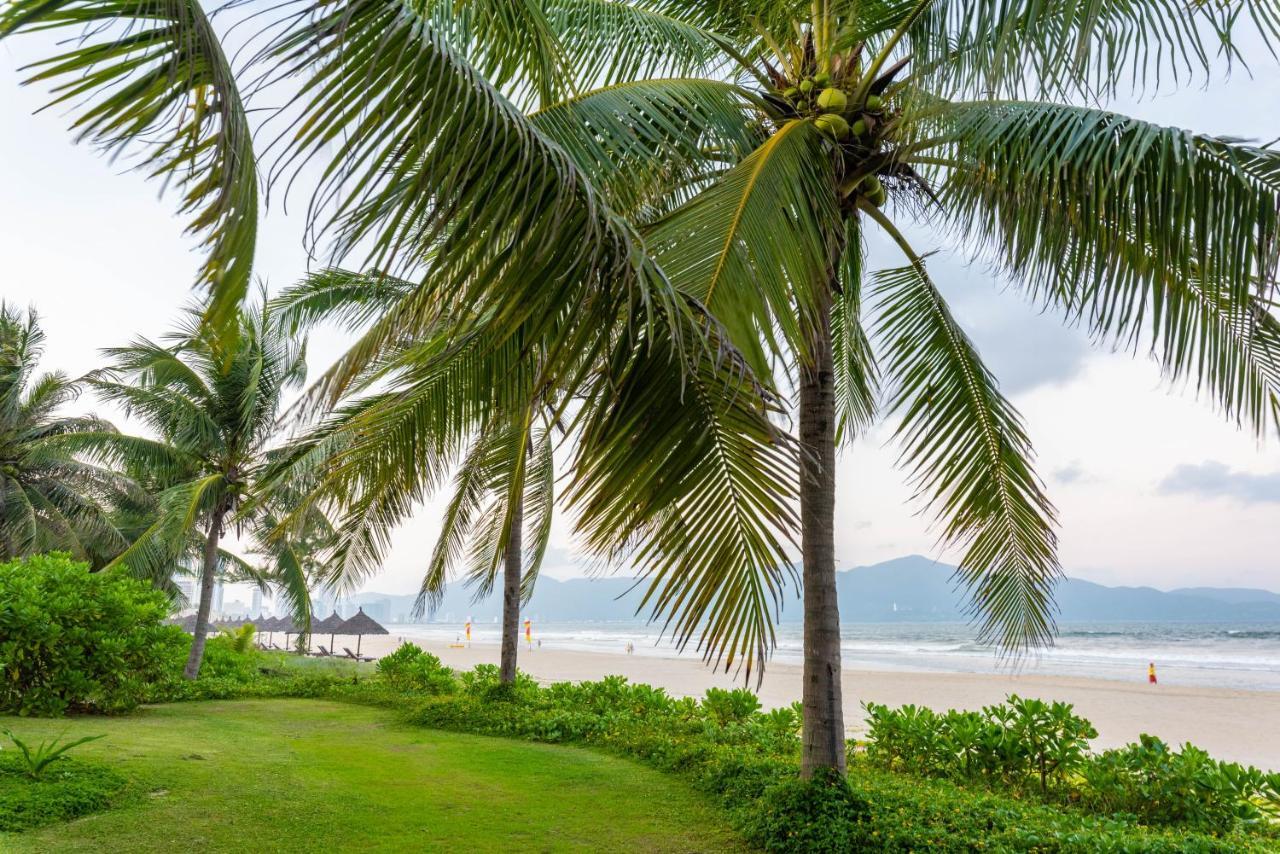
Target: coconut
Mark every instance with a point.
(791, 93)
(859, 128)
(873, 190)
(874, 102)
(832, 125)
(832, 100)
(806, 85)
(802, 105)
(823, 79)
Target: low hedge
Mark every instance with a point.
(70, 789)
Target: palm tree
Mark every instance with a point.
(440, 174)
(729, 163)
(49, 499)
(213, 407)
(1137, 231)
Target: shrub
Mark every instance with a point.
(1162, 786)
(730, 707)
(72, 640)
(410, 668)
(1017, 740)
(73, 789)
(818, 815)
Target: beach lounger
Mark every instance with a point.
(351, 654)
(323, 653)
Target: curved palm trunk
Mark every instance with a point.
(192, 670)
(823, 739)
(511, 571)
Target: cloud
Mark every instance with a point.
(1213, 479)
(1072, 472)
(1024, 347)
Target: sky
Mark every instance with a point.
(1153, 487)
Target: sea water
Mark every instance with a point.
(1226, 655)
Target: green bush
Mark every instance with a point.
(818, 815)
(410, 668)
(76, 641)
(1188, 787)
(1017, 741)
(941, 816)
(71, 789)
(1024, 741)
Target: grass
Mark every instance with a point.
(306, 775)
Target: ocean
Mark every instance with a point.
(1225, 655)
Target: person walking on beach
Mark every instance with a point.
(1151, 672)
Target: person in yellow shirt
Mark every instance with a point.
(1151, 672)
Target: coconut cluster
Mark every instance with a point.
(851, 125)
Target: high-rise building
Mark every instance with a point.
(255, 605)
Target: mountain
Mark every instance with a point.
(906, 589)
(1234, 595)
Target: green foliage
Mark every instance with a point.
(37, 760)
(1026, 743)
(75, 788)
(1187, 787)
(822, 814)
(1014, 742)
(241, 638)
(410, 668)
(76, 641)
(48, 499)
(730, 707)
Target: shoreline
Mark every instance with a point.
(1230, 723)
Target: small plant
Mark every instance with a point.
(37, 760)
(730, 707)
(241, 639)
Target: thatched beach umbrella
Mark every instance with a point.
(285, 624)
(329, 624)
(270, 625)
(360, 625)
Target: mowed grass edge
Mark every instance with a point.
(307, 775)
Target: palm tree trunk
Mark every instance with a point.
(192, 670)
(511, 570)
(823, 738)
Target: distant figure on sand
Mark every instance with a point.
(630, 647)
(1151, 672)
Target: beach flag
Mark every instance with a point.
(528, 632)
(468, 630)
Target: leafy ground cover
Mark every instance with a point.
(308, 775)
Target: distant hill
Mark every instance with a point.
(906, 589)
(1234, 595)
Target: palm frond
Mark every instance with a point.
(639, 139)
(539, 509)
(857, 378)
(461, 516)
(970, 458)
(335, 295)
(680, 473)
(1058, 47)
(438, 173)
(756, 246)
(150, 77)
(1134, 228)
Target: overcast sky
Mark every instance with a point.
(1153, 486)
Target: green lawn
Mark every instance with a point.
(312, 776)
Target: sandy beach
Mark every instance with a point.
(1237, 725)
